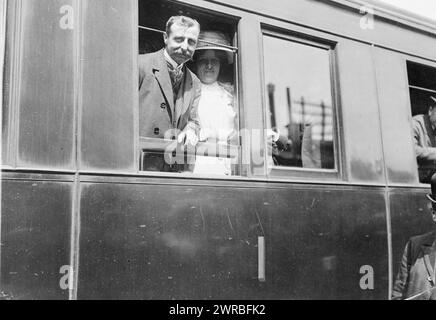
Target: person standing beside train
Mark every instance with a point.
(169, 92)
(424, 137)
(416, 279)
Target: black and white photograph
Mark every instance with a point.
(218, 155)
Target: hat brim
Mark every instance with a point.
(430, 197)
(228, 51)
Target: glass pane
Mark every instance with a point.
(421, 76)
(300, 106)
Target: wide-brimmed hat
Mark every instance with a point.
(432, 196)
(215, 40)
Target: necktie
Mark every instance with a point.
(176, 75)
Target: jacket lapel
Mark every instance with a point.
(160, 71)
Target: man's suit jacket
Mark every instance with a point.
(158, 112)
(425, 146)
(416, 273)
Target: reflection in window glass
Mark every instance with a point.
(422, 86)
(299, 102)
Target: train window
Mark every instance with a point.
(299, 98)
(182, 104)
(422, 87)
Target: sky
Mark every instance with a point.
(425, 8)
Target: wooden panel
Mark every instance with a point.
(396, 117)
(135, 245)
(46, 91)
(321, 238)
(35, 238)
(109, 86)
(360, 113)
(340, 20)
(165, 242)
(6, 35)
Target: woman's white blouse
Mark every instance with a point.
(217, 123)
(216, 113)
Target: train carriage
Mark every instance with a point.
(83, 218)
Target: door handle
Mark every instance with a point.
(261, 259)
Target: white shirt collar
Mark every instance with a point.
(171, 61)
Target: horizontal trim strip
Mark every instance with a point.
(201, 178)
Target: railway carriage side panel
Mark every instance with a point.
(35, 238)
(179, 241)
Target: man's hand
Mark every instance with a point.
(204, 134)
(272, 135)
(188, 137)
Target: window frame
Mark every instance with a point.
(322, 42)
(425, 63)
(139, 141)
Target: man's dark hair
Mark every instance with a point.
(181, 21)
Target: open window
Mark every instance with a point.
(422, 87)
(218, 151)
(300, 104)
